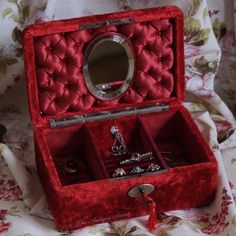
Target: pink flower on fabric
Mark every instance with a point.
(197, 82)
(223, 124)
(224, 129)
(40, 16)
(190, 50)
(3, 213)
(9, 191)
(4, 226)
(218, 222)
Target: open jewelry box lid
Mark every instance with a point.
(54, 53)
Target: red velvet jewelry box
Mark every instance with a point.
(73, 123)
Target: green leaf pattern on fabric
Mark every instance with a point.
(219, 28)
(19, 16)
(204, 66)
(194, 33)
(6, 12)
(5, 61)
(195, 7)
(205, 12)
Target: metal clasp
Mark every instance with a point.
(59, 122)
(95, 25)
(139, 190)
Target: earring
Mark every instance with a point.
(118, 147)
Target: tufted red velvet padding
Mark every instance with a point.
(59, 60)
(56, 81)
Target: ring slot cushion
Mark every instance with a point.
(53, 55)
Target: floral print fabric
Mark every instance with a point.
(210, 61)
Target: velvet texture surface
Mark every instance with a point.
(57, 89)
(73, 199)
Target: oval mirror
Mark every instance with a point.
(108, 66)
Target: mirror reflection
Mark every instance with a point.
(108, 66)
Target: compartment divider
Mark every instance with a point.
(93, 157)
(152, 142)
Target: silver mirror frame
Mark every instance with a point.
(97, 90)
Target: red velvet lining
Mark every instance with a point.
(176, 133)
(90, 145)
(76, 145)
(55, 82)
(135, 138)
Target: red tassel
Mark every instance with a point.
(152, 219)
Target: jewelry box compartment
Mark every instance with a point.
(83, 153)
(73, 154)
(139, 155)
(152, 142)
(176, 137)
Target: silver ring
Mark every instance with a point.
(136, 170)
(119, 172)
(137, 157)
(70, 167)
(153, 168)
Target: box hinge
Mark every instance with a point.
(113, 114)
(95, 25)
